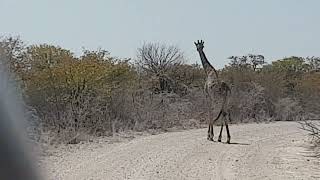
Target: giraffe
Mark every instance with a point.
(218, 93)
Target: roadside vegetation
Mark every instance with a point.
(99, 94)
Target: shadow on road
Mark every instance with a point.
(246, 144)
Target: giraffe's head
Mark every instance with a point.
(199, 45)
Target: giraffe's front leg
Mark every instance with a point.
(210, 132)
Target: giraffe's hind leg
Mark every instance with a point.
(228, 133)
(210, 128)
(220, 135)
(227, 127)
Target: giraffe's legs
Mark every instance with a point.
(220, 135)
(227, 127)
(228, 133)
(210, 128)
(210, 131)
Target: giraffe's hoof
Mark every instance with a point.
(228, 141)
(210, 138)
(219, 140)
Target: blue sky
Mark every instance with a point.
(274, 28)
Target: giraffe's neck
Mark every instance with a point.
(206, 64)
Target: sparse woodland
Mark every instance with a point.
(99, 94)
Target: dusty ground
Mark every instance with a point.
(259, 151)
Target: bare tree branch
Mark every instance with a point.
(158, 58)
(313, 129)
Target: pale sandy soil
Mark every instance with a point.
(259, 151)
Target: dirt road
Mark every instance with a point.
(259, 151)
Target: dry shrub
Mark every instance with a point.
(250, 103)
(309, 93)
(200, 109)
(288, 109)
(159, 111)
(313, 129)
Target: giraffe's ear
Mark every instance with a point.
(195, 43)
